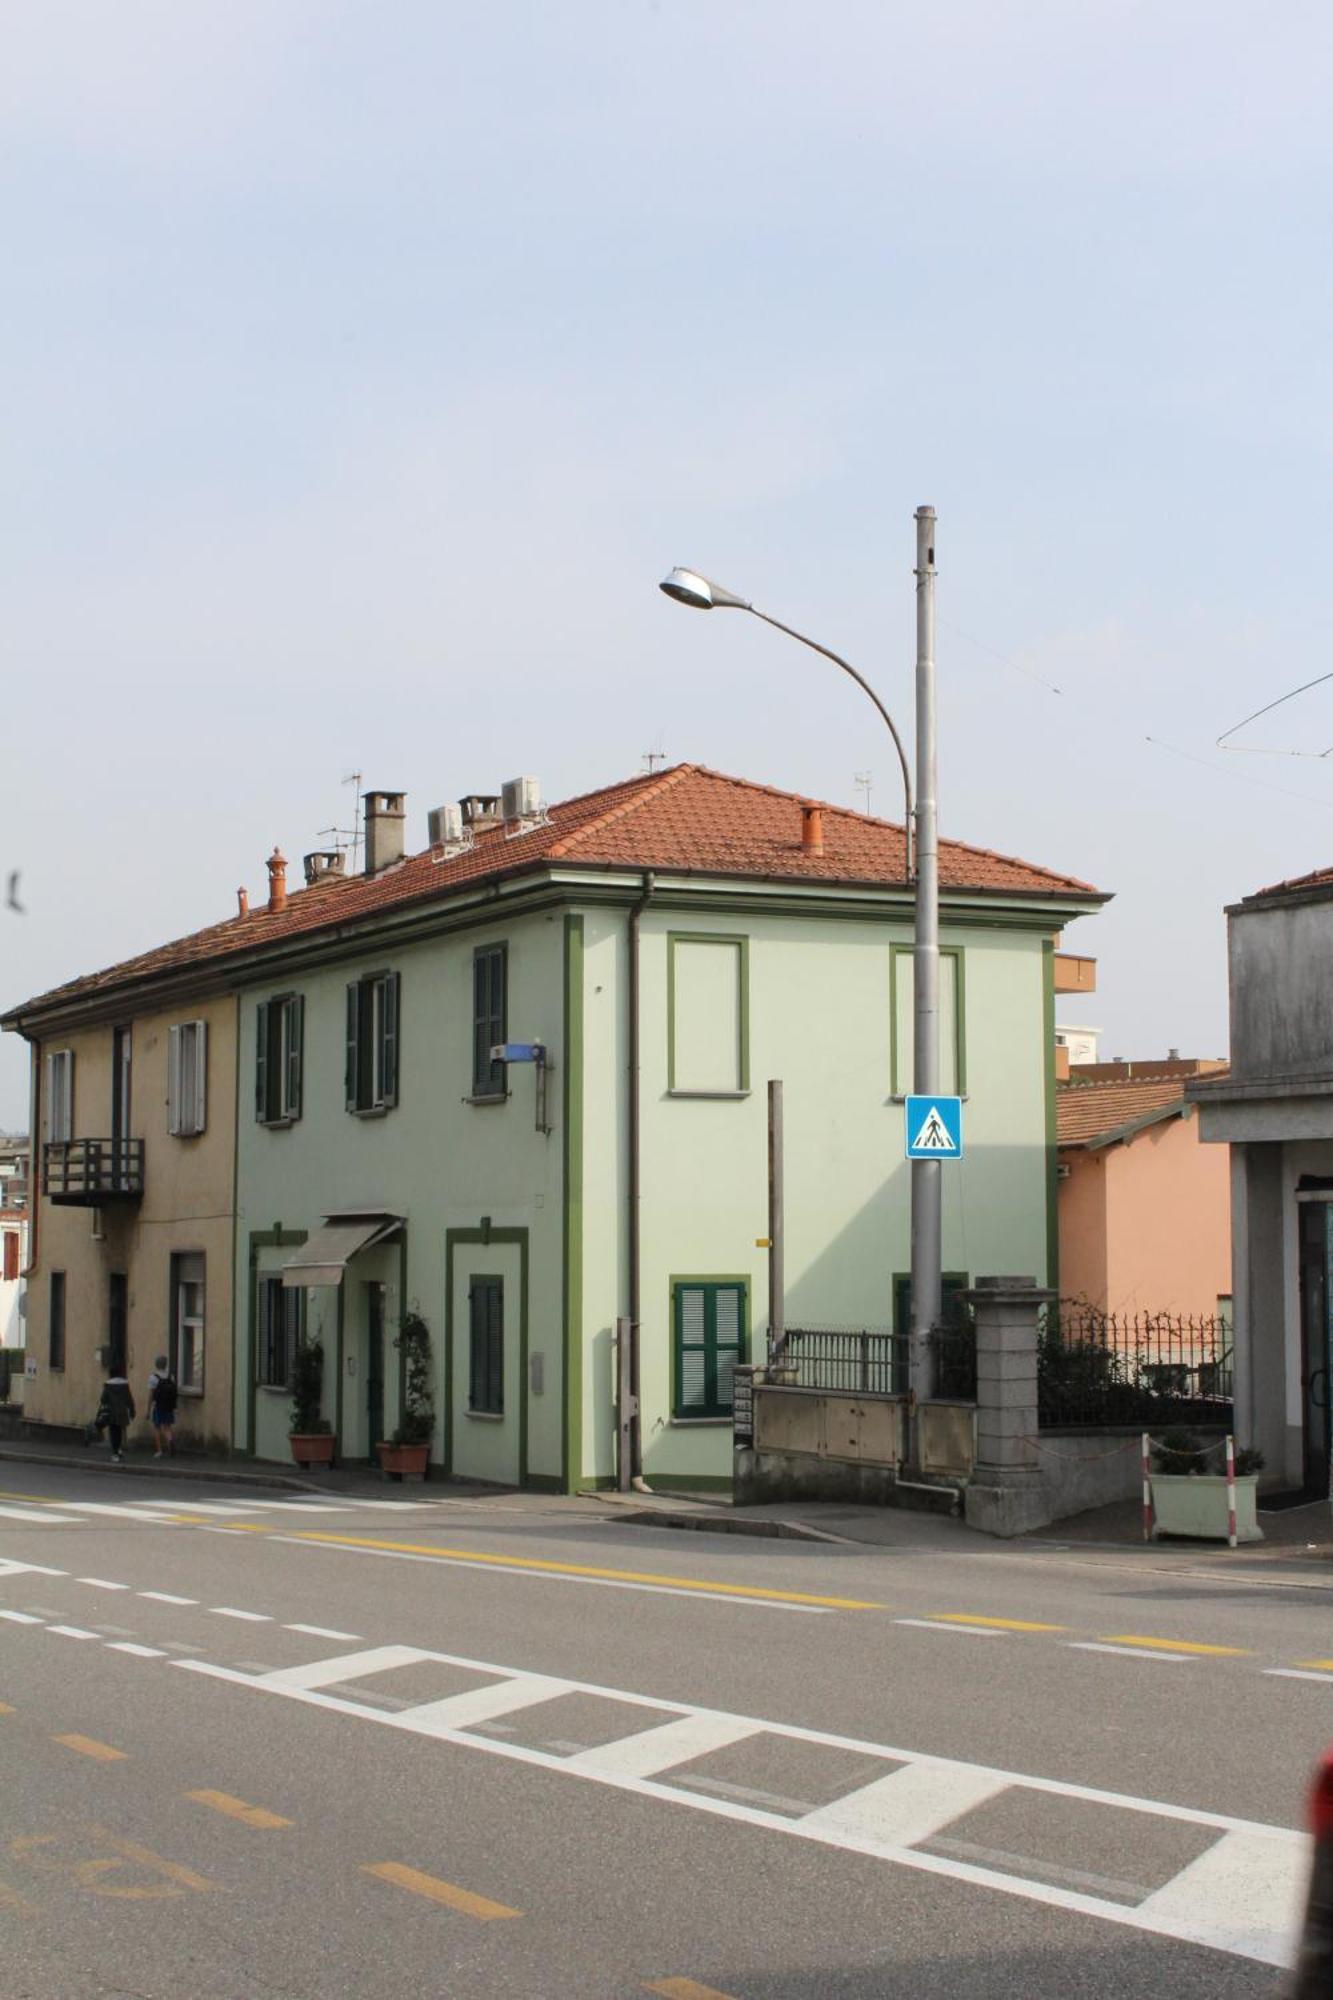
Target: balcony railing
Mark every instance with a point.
(84, 1173)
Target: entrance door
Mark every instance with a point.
(374, 1367)
(1316, 1243)
(118, 1321)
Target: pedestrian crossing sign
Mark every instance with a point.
(934, 1128)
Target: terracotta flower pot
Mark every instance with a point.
(404, 1461)
(312, 1447)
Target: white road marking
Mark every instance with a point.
(323, 1632)
(11, 1568)
(1298, 1674)
(653, 1750)
(71, 1631)
(934, 1625)
(101, 1583)
(1126, 1652)
(105, 1509)
(1236, 1897)
(166, 1597)
(549, 1576)
(250, 1617)
(20, 1618)
(137, 1652)
(465, 1711)
(38, 1514)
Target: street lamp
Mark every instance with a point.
(687, 586)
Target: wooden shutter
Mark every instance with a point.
(294, 1053)
(11, 1255)
(692, 1346)
(353, 1046)
(174, 1081)
(261, 1061)
(387, 1054)
(728, 1341)
(200, 1075)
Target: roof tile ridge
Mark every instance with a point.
(652, 788)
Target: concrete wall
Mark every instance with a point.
(1281, 971)
(186, 1207)
(457, 1171)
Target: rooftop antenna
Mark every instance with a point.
(863, 781)
(652, 759)
(345, 836)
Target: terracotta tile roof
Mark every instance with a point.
(686, 819)
(1318, 878)
(1087, 1112)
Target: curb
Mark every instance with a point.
(725, 1524)
(171, 1470)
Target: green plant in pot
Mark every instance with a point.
(407, 1453)
(1191, 1493)
(310, 1434)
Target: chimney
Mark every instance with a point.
(812, 830)
(277, 882)
(324, 865)
(242, 902)
(386, 830)
(1173, 1055)
(480, 810)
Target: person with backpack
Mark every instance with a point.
(162, 1397)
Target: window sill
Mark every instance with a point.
(273, 1388)
(277, 1124)
(488, 1097)
(721, 1096)
(197, 1134)
(370, 1110)
(485, 1416)
(700, 1423)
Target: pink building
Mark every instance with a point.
(1144, 1208)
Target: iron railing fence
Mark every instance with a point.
(1096, 1368)
(874, 1361)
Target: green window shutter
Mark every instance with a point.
(261, 1061)
(692, 1349)
(352, 1077)
(388, 1039)
(728, 1342)
(263, 1335)
(295, 1053)
(486, 1346)
(489, 1018)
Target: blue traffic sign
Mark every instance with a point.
(934, 1128)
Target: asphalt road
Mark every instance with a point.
(258, 1745)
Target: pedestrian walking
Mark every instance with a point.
(118, 1403)
(162, 1399)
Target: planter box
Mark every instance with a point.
(1196, 1504)
(404, 1461)
(312, 1447)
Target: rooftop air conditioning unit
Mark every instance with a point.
(446, 825)
(521, 798)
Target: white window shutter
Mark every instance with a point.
(200, 1075)
(174, 1081)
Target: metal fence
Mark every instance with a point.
(873, 1361)
(1096, 1368)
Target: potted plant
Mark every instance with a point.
(405, 1455)
(1189, 1498)
(310, 1434)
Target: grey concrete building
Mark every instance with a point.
(1274, 1107)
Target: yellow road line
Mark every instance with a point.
(88, 1746)
(185, 1878)
(234, 1527)
(1321, 1666)
(7, 1708)
(1001, 1624)
(684, 1989)
(436, 1891)
(542, 1567)
(223, 1802)
(1176, 1645)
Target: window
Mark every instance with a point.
(953, 1062)
(11, 1264)
(187, 1077)
(486, 1348)
(281, 1324)
(372, 1042)
(279, 1047)
(707, 1015)
(187, 1321)
(60, 1095)
(490, 1011)
(55, 1329)
(708, 1335)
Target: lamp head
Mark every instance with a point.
(688, 587)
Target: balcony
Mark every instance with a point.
(87, 1173)
(1073, 974)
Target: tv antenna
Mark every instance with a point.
(864, 780)
(344, 837)
(652, 759)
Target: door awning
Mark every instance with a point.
(326, 1253)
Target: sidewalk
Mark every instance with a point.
(351, 1482)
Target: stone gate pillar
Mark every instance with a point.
(1006, 1494)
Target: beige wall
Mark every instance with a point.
(1150, 1220)
(187, 1206)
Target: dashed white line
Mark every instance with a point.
(136, 1652)
(932, 1625)
(71, 1631)
(1298, 1674)
(101, 1583)
(250, 1617)
(322, 1632)
(20, 1617)
(1122, 1652)
(167, 1597)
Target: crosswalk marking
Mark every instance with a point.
(478, 1705)
(37, 1514)
(1236, 1895)
(654, 1750)
(909, 1805)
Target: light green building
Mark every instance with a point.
(671, 944)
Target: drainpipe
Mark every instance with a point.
(636, 1479)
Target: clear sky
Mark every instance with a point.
(363, 366)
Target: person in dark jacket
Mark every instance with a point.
(119, 1411)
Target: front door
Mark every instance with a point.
(374, 1367)
(1316, 1241)
(118, 1322)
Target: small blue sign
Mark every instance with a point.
(934, 1128)
(519, 1052)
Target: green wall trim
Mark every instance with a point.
(897, 952)
(1052, 1135)
(486, 1235)
(260, 1239)
(742, 944)
(571, 1365)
